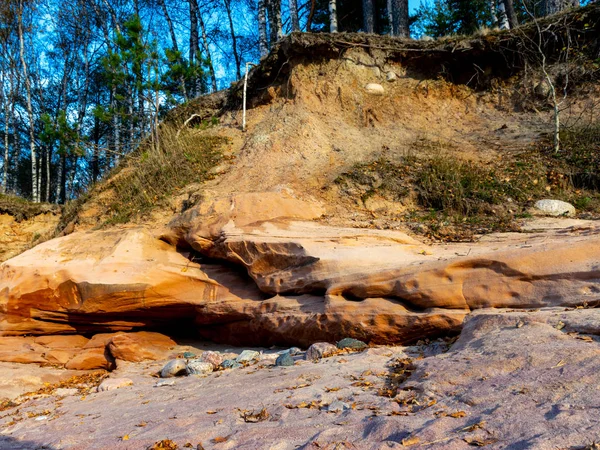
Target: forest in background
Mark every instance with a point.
(83, 82)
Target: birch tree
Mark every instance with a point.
(262, 28)
(294, 15)
(333, 22)
(35, 193)
(368, 19)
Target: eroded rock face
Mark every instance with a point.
(305, 282)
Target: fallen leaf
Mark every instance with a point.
(211, 412)
(479, 442)
(141, 424)
(475, 426)
(255, 417)
(220, 439)
(457, 414)
(125, 438)
(410, 441)
(327, 389)
(165, 444)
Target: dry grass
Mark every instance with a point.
(151, 175)
(456, 198)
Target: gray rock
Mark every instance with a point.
(174, 368)
(555, 207)
(230, 364)
(338, 406)
(284, 360)
(292, 351)
(351, 343)
(391, 76)
(199, 367)
(247, 356)
(375, 89)
(320, 350)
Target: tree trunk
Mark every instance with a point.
(5, 104)
(401, 24)
(262, 28)
(34, 164)
(294, 15)
(503, 22)
(313, 4)
(493, 12)
(275, 26)
(510, 13)
(194, 42)
(211, 67)
(236, 56)
(333, 23)
(368, 19)
(390, 16)
(169, 24)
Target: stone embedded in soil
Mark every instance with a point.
(375, 89)
(174, 368)
(199, 367)
(284, 359)
(113, 383)
(352, 344)
(320, 350)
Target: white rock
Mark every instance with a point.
(338, 406)
(199, 367)
(555, 207)
(174, 368)
(374, 88)
(391, 76)
(164, 383)
(113, 383)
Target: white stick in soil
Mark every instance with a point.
(245, 87)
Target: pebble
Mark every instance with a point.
(199, 367)
(174, 368)
(338, 406)
(163, 383)
(213, 358)
(320, 350)
(230, 364)
(285, 359)
(113, 383)
(351, 343)
(189, 355)
(247, 356)
(391, 76)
